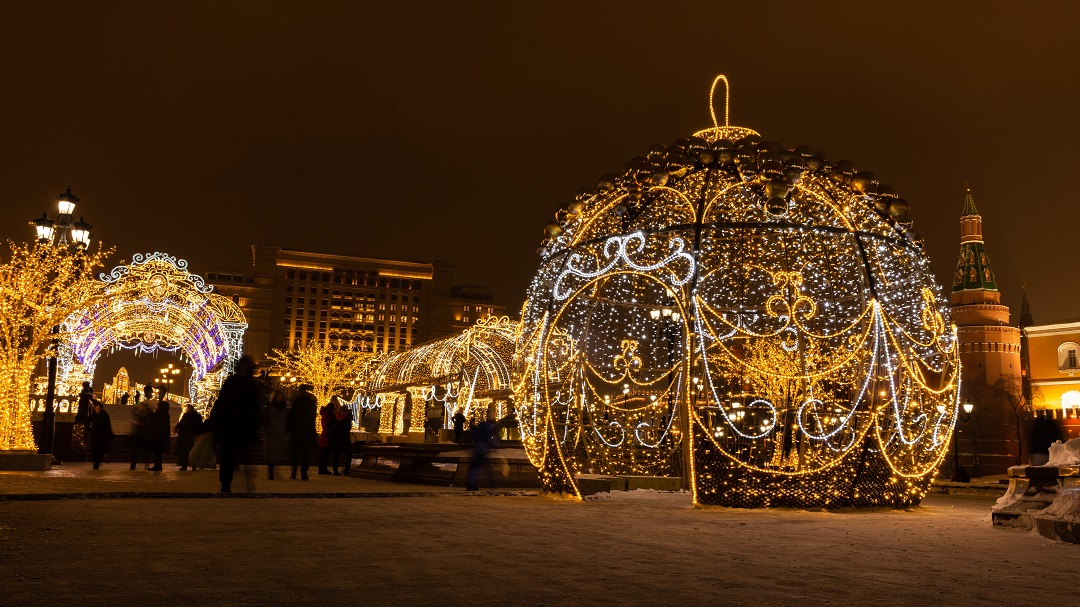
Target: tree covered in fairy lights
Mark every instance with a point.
(40, 286)
(330, 371)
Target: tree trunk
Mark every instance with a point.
(16, 434)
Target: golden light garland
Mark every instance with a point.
(754, 318)
(40, 285)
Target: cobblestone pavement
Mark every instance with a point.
(641, 548)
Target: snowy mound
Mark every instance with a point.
(1065, 507)
(1067, 454)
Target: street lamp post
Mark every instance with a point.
(58, 232)
(959, 476)
(168, 375)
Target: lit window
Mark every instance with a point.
(1067, 360)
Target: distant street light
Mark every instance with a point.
(168, 375)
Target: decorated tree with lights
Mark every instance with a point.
(40, 286)
(330, 371)
(754, 318)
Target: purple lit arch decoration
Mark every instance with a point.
(155, 304)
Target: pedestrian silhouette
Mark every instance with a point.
(484, 441)
(187, 428)
(160, 424)
(302, 429)
(459, 425)
(140, 427)
(101, 433)
(341, 438)
(235, 421)
(275, 425)
(327, 418)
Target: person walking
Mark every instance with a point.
(140, 426)
(85, 404)
(275, 425)
(83, 408)
(327, 418)
(341, 438)
(484, 442)
(187, 428)
(459, 425)
(101, 433)
(301, 424)
(235, 419)
(160, 424)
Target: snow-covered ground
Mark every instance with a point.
(636, 548)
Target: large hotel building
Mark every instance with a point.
(376, 305)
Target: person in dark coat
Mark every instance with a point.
(484, 441)
(301, 424)
(187, 428)
(327, 418)
(160, 425)
(459, 425)
(275, 430)
(101, 433)
(235, 419)
(85, 405)
(140, 426)
(341, 438)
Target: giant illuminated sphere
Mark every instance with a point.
(754, 318)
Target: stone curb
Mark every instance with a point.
(19, 497)
(966, 489)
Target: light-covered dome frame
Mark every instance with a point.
(469, 371)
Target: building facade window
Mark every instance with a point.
(1067, 358)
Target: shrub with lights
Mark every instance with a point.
(755, 318)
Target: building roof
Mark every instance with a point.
(969, 206)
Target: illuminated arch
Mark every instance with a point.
(155, 304)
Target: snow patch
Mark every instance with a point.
(681, 498)
(1067, 454)
(1066, 507)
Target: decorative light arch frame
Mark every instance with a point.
(155, 304)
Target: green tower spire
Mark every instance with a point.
(973, 270)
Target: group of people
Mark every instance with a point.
(289, 428)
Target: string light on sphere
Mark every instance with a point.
(752, 317)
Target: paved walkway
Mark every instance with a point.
(80, 480)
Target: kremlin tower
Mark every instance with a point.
(989, 351)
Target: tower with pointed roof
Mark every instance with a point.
(989, 349)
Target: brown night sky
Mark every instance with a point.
(452, 131)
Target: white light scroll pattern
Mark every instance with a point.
(623, 251)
